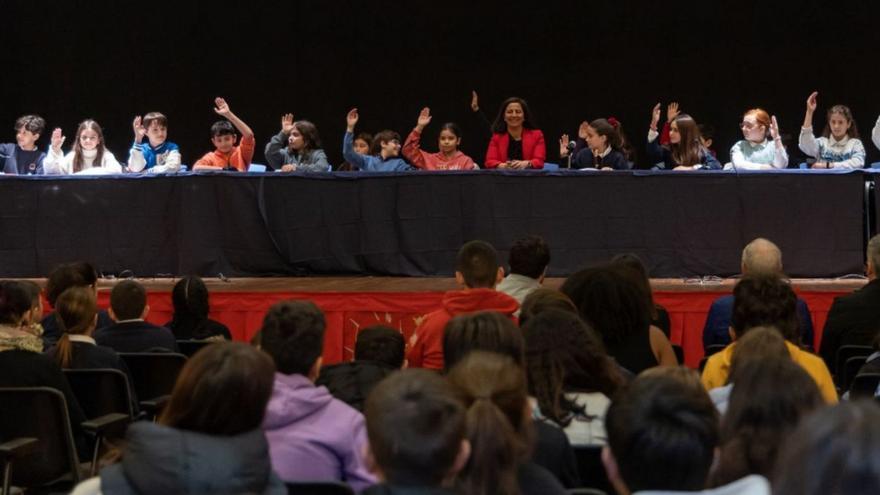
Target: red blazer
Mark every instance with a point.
(533, 146)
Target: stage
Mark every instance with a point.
(351, 303)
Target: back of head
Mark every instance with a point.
(381, 344)
(662, 430)
(293, 335)
(873, 255)
(493, 389)
(762, 257)
(222, 128)
(610, 302)
(765, 300)
(15, 301)
(544, 299)
(477, 262)
(769, 398)
(76, 309)
(834, 450)
(630, 266)
(67, 275)
(563, 354)
(759, 343)
(128, 299)
(529, 257)
(222, 390)
(416, 425)
(190, 299)
(482, 331)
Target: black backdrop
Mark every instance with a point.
(573, 60)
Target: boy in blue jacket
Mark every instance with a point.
(388, 159)
(22, 157)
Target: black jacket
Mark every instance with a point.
(136, 336)
(853, 319)
(352, 382)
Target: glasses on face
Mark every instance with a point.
(747, 125)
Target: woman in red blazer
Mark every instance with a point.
(516, 143)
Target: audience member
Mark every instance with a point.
(416, 428)
(633, 266)
(528, 260)
(499, 428)
(477, 273)
(130, 333)
(854, 319)
(767, 300)
(758, 257)
(35, 315)
(63, 277)
(191, 307)
(378, 351)
(208, 438)
(612, 303)
(570, 376)
(543, 299)
(835, 450)
(312, 436)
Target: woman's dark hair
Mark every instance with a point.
(493, 389)
(543, 299)
(631, 265)
(67, 275)
(75, 313)
(499, 126)
(311, 139)
(765, 300)
(451, 127)
(222, 390)
(852, 132)
(688, 151)
(190, 300)
(609, 301)
(564, 355)
(15, 301)
(834, 450)
(482, 331)
(769, 398)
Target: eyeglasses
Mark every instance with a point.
(747, 125)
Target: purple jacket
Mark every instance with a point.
(314, 437)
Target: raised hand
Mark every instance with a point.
(424, 118)
(655, 116)
(811, 101)
(287, 123)
(582, 130)
(774, 128)
(139, 130)
(352, 118)
(221, 107)
(57, 139)
(563, 145)
(475, 101)
(672, 111)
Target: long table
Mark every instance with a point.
(412, 224)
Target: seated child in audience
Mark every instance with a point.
(448, 158)
(158, 155)
(228, 156)
(296, 148)
(755, 151)
(190, 321)
(312, 436)
(61, 278)
(208, 438)
(839, 146)
(35, 315)
(386, 147)
(77, 311)
(130, 333)
(362, 143)
(603, 147)
(378, 351)
(416, 428)
(22, 157)
(89, 155)
(685, 151)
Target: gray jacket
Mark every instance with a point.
(278, 155)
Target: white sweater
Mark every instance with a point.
(846, 153)
(58, 164)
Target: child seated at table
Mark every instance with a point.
(228, 156)
(158, 155)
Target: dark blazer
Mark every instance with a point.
(198, 330)
(534, 149)
(10, 161)
(853, 319)
(136, 336)
(86, 356)
(52, 332)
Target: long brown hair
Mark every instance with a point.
(222, 390)
(689, 149)
(843, 110)
(75, 311)
(78, 159)
(493, 389)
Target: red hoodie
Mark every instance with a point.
(426, 344)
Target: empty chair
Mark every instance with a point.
(850, 370)
(154, 375)
(847, 351)
(864, 385)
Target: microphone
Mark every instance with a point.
(571, 146)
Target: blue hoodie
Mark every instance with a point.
(370, 163)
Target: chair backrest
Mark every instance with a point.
(850, 370)
(590, 467)
(864, 385)
(318, 488)
(847, 351)
(41, 413)
(190, 347)
(101, 391)
(679, 353)
(153, 373)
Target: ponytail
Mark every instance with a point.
(64, 351)
(75, 312)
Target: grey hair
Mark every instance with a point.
(762, 256)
